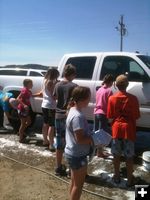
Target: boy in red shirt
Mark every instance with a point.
(24, 107)
(123, 109)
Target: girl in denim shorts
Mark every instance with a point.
(78, 140)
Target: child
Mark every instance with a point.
(123, 109)
(24, 107)
(100, 111)
(48, 107)
(62, 92)
(5, 107)
(78, 140)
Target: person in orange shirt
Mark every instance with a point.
(123, 109)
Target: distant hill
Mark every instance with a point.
(29, 66)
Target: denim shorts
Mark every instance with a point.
(122, 146)
(76, 162)
(60, 133)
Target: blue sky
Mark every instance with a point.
(42, 31)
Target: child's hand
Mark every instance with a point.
(26, 107)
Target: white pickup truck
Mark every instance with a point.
(91, 68)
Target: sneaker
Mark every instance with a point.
(61, 171)
(116, 179)
(2, 128)
(31, 134)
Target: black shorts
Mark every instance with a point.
(49, 116)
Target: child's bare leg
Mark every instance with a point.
(100, 152)
(59, 156)
(25, 122)
(22, 128)
(116, 162)
(129, 165)
(51, 135)
(44, 132)
(77, 181)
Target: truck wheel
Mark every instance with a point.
(33, 117)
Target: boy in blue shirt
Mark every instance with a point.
(5, 106)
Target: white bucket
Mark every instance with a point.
(146, 160)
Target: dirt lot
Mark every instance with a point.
(18, 182)
(21, 182)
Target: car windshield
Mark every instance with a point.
(145, 59)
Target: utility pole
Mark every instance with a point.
(122, 29)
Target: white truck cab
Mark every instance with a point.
(92, 67)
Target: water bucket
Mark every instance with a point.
(146, 160)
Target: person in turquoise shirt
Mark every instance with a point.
(5, 106)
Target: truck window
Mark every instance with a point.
(117, 65)
(84, 66)
(13, 72)
(145, 59)
(136, 73)
(32, 73)
(114, 65)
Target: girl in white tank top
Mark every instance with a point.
(48, 107)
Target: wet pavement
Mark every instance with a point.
(100, 170)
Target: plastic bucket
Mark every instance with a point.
(146, 160)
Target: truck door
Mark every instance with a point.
(140, 87)
(139, 82)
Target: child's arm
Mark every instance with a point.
(19, 96)
(81, 138)
(50, 86)
(38, 94)
(20, 100)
